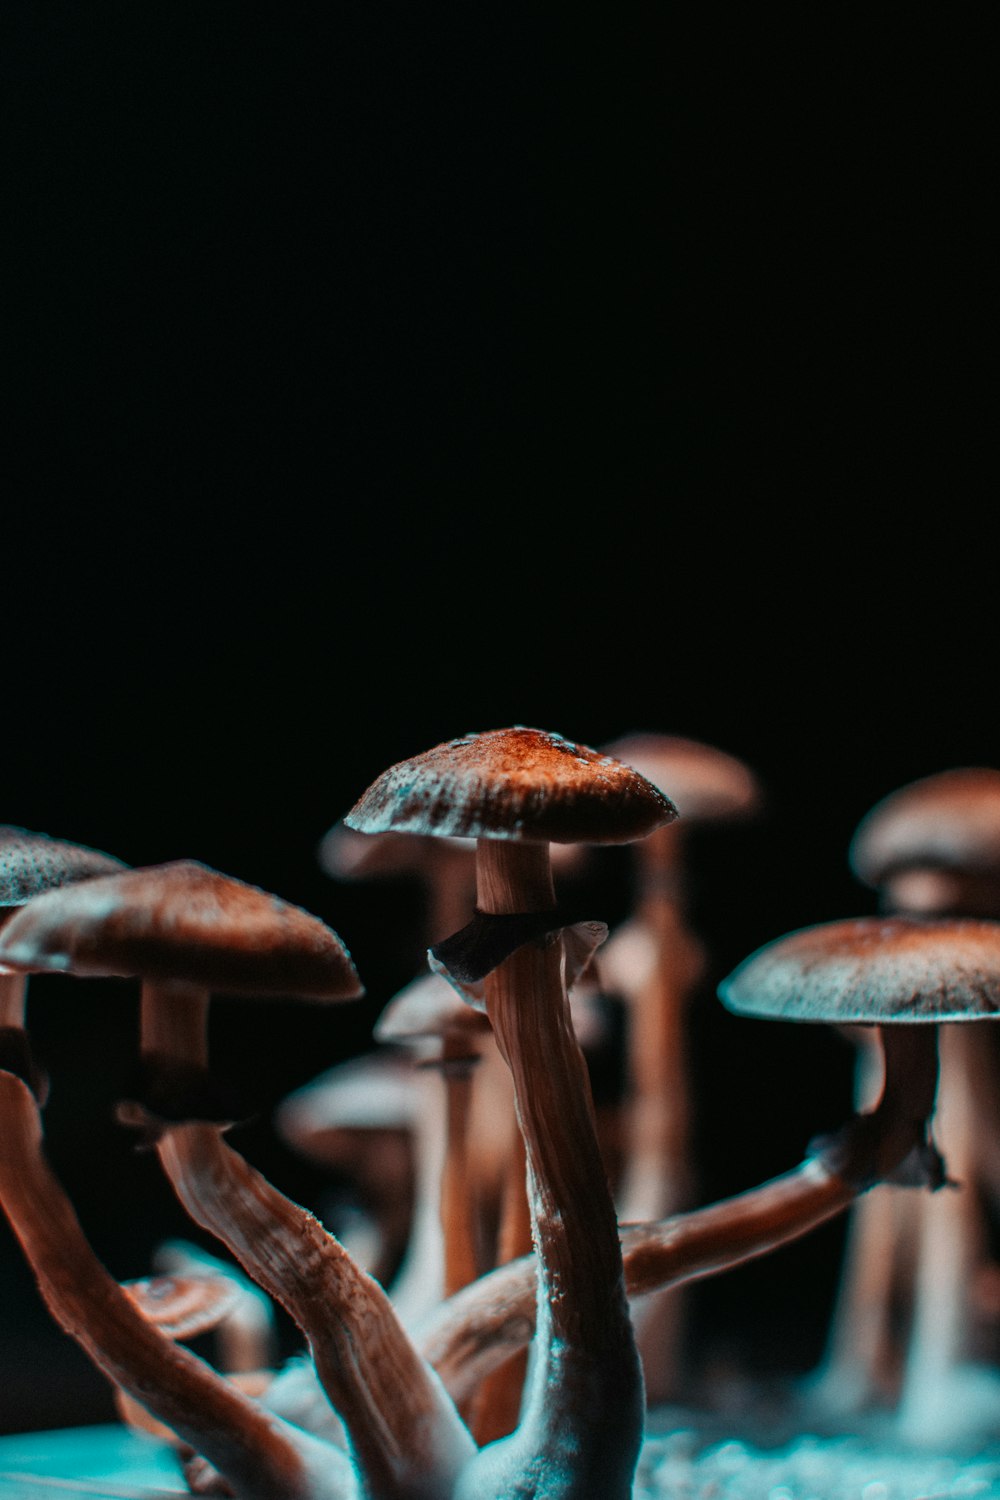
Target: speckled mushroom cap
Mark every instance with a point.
(31, 863)
(704, 784)
(185, 922)
(874, 970)
(428, 1007)
(951, 819)
(519, 783)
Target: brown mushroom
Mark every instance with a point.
(656, 964)
(446, 1039)
(185, 931)
(516, 790)
(356, 1120)
(866, 971)
(929, 849)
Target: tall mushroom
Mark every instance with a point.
(708, 786)
(516, 790)
(930, 849)
(854, 969)
(185, 931)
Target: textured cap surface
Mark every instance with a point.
(703, 783)
(950, 819)
(873, 969)
(31, 863)
(516, 783)
(186, 922)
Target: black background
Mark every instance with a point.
(374, 375)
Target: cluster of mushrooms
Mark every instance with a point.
(536, 1310)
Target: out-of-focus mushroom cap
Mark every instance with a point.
(519, 783)
(346, 854)
(376, 1091)
(704, 784)
(951, 819)
(31, 863)
(428, 1007)
(873, 970)
(185, 922)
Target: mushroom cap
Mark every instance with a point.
(31, 863)
(346, 854)
(375, 1091)
(519, 784)
(184, 922)
(951, 819)
(705, 784)
(873, 970)
(428, 1007)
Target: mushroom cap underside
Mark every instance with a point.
(873, 970)
(519, 784)
(951, 819)
(704, 784)
(31, 863)
(181, 922)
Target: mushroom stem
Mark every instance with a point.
(950, 1248)
(405, 1433)
(260, 1457)
(581, 1424)
(419, 1283)
(459, 1210)
(13, 989)
(487, 1322)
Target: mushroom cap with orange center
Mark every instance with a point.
(519, 784)
(186, 923)
(874, 970)
(950, 820)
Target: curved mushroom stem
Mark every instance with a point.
(487, 1322)
(262, 1458)
(406, 1436)
(582, 1418)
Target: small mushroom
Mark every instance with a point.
(446, 1039)
(515, 791)
(356, 1119)
(185, 931)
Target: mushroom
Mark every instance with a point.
(356, 1119)
(862, 969)
(516, 790)
(31, 863)
(446, 1038)
(185, 930)
(929, 849)
(245, 1327)
(260, 1456)
(655, 962)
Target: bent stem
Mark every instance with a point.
(582, 1418)
(486, 1323)
(257, 1454)
(404, 1432)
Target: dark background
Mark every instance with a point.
(375, 375)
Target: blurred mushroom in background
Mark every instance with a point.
(909, 1331)
(655, 961)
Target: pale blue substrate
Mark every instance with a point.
(686, 1463)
